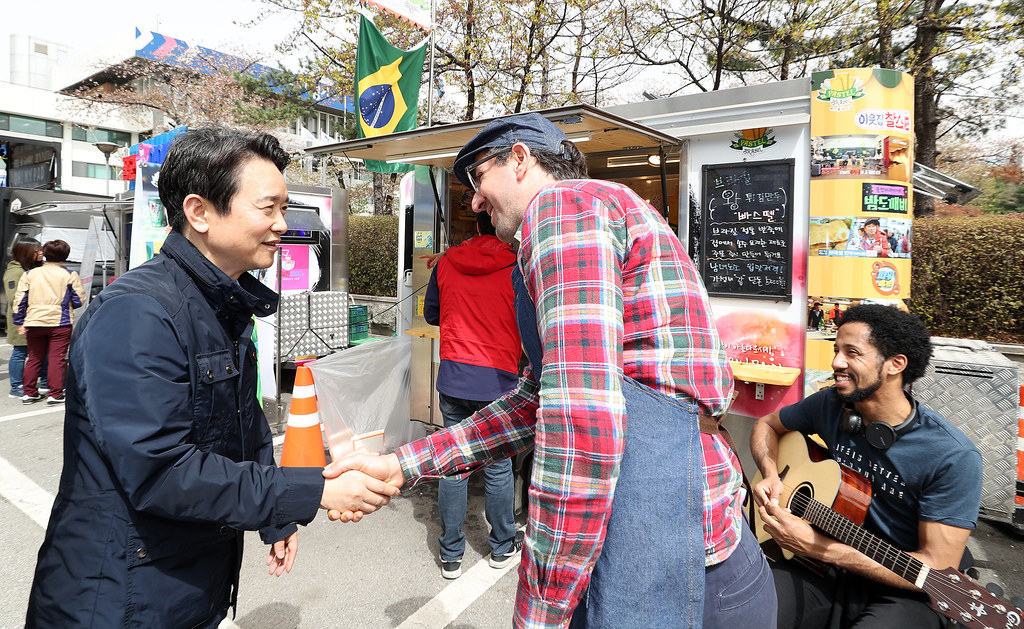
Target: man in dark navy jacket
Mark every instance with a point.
(167, 454)
(470, 296)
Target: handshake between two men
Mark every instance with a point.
(360, 483)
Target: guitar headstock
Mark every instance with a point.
(955, 596)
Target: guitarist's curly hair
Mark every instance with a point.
(893, 332)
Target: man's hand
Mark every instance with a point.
(282, 555)
(767, 490)
(384, 468)
(354, 491)
(793, 533)
(432, 259)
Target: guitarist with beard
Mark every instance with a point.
(925, 479)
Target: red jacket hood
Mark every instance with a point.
(480, 255)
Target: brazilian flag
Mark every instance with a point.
(387, 88)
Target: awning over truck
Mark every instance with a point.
(595, 131)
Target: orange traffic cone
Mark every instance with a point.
(303, 443)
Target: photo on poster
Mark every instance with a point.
(300, 269)
(860, 156)
(849, 237)
(880, 238)
(828, 233)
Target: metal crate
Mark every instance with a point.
(977, 389)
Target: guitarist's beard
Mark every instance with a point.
(859, 394)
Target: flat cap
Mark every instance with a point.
(533, 130)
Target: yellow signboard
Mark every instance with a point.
(861, 191)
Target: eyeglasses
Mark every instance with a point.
(471, 169)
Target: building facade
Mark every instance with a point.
(48, 139)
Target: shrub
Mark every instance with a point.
(373, 255)
(968, 276)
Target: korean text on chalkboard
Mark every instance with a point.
(747, 215)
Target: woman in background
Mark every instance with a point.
(25, 254)
(43, 309)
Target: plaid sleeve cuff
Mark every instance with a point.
(416, 461)
(534, 613)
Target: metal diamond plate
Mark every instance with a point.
(313, 324)
(976, 389)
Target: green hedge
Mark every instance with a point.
(968, 272)
(968, 276)
(373, 255)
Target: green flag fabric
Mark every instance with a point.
(387, 88)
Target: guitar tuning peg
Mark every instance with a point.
(995, 588)
(973, 573)
(1017, 602)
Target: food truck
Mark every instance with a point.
(785, 195)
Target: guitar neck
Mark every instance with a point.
(842, 529)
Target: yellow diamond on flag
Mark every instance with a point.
(381, 105)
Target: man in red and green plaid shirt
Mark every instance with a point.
(626, 361)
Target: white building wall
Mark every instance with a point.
(44, 104)
(35, 64)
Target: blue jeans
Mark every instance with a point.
(452, 494)
(16, 366)
(740, 591)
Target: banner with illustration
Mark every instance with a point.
(149, 222)
(861, 193)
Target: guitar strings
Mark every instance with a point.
(898, 557)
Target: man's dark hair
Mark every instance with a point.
(24, 253)
(892, 332)
(571, 165)
(206, 162)
(56, 251)
(872, 221)
(484, 224)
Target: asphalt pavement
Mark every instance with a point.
(382, 572)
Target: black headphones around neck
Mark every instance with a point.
(879, 435)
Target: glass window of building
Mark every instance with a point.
(31, 126)
(121, 138)
(92, 171)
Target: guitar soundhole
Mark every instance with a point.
(802, 496)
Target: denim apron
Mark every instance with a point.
(650, 572)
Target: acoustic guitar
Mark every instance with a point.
(834, 499)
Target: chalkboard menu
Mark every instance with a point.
(747, 229)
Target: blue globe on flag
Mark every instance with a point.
(381, 104)
(377, 105)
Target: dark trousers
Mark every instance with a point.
(53, 344)
(842, 600)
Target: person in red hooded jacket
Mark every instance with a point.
(470, 296)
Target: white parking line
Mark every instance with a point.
(438, 612)
(35, 413)
(32, 499)
(444, 608)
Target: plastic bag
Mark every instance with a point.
(363, 396)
